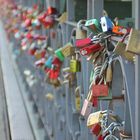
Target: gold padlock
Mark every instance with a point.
(120, 50)
(94, 118)
(75, 64)
(134, 42)
(67, 50)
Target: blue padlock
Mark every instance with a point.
(48, 63)
(106, 24)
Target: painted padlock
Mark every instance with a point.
(59, 54)
(48, 63)
(93, 24)
(106, 24)
(75, 64)
(90, 49)
(56, 61)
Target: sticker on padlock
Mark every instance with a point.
(106, 24)
(75, 64)
(94, 118)
(90, 49)
(67, 50)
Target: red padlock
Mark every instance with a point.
(29, 35)
(43, 53)
(56, 61)
(51, 10)
(100, 137)
(48, 21)
(28, 22)
(96, 129)
(32, 51)
(90, 49)
(82, 42)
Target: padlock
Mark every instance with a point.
(40, 62)
(82, 42)
(80, 34)
(48, 22)
(96, 129)
(86, 108)
(106, 24)
(119, 30)
(63, 17)
(77, 99)
(93, 24)
(38, 54)
(49, 96)
(94, 118)
(75, 64)
(27, 22)
(35, 23)
(120, 49)
(48, 62)
(59, 54)
(56, 61)
(51, 10)
(133, 44)
(90, 49)
(109, 73)
(100, 137)
(67, 50)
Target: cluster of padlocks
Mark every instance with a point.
(106, 42)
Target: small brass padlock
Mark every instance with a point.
(67, 50)
(75, 64)
(77, 99)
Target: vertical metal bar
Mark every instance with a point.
(94, 10)
(97, 8)
(137, 76)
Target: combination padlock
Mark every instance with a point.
(75, 64)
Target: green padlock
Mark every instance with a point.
(75, 64)
(93, 25)
(59, 54)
